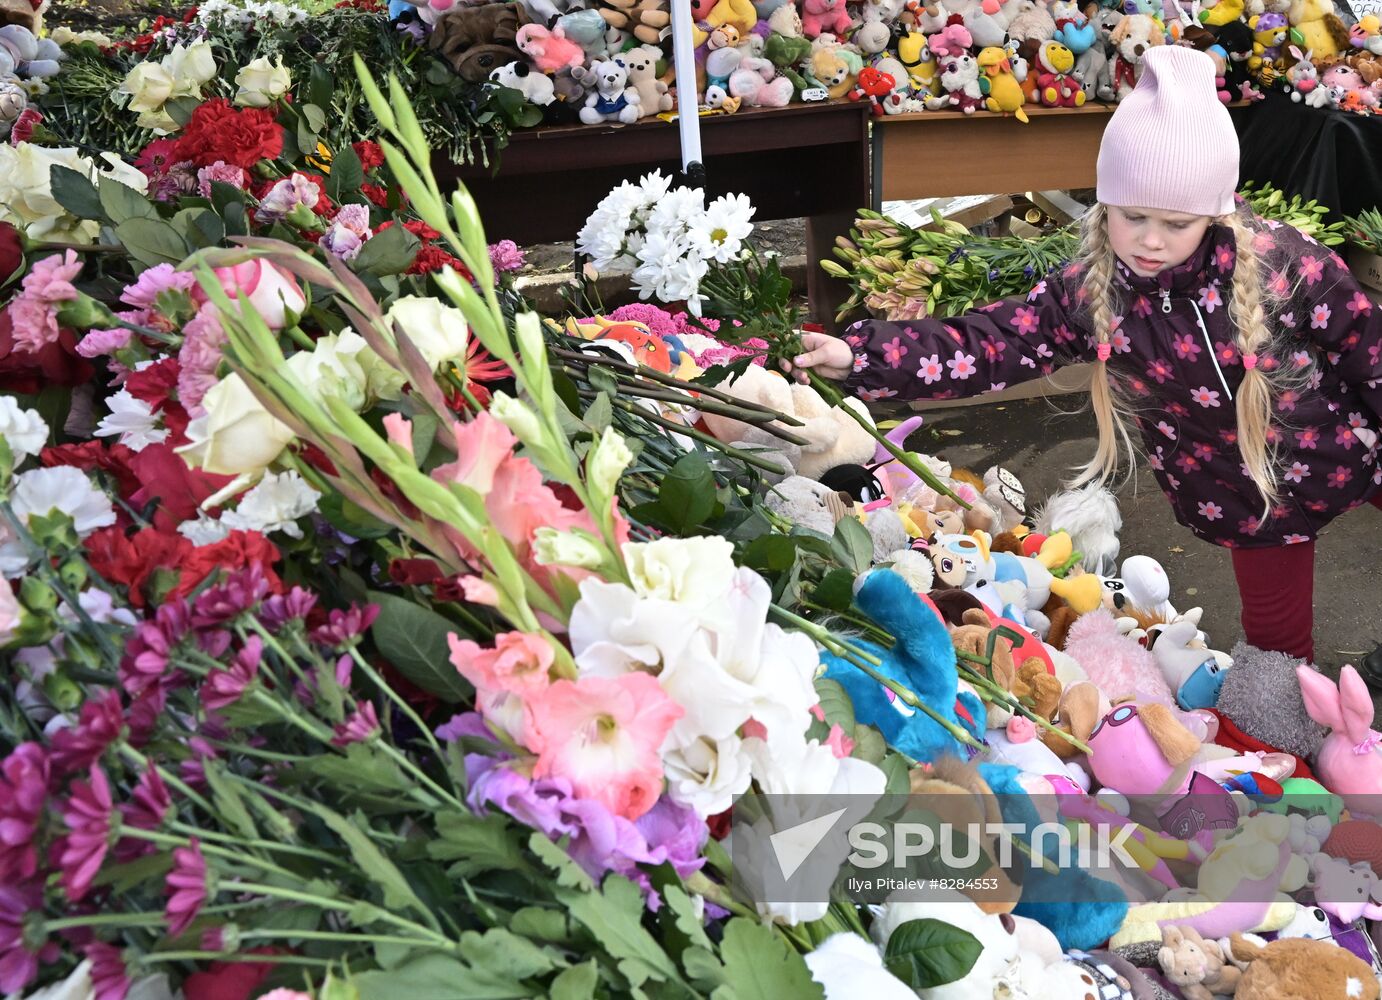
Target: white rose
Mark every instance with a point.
(26, 197)
(149, 85)
(261, 83)
(333, 368)
(438, 331)
(683, 570)
(236, 435)
(191, 66)
(608, 462)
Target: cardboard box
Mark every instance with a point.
(1367, 268)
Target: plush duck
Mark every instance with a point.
(1003, 91)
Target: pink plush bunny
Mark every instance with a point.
(550, 50)
(1349, 762)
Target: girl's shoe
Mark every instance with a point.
(1371, 669)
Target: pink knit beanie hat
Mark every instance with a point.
(1171, 145)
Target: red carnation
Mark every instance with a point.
(236, 551)
(23, 128)
(11, 251)
(370, 154)
(130, 562)
(88, 455)
(28, 374)
(376, 193)
(166, 477)
(218, 131)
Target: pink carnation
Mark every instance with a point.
(144, 293)
(34, 311)
(98, 343)
(219, 171)
(505, 256)
(199, 358)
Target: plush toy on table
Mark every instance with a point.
(1317, 25)
(988, 20)
(952, 40)
(653, 94)
(831, 72)
(477, 40)
(549, 49)
(920, 62)
(1055, 87)
(536, 88)
(1135, 34)
(1350, 761)
(1270, 32)
(1367, 34)
(1073, 29)
(872, 86)
(1237, 40)
(1032, 22)
(648, 21)
(1003, 92)
(825, 15)
(1221, 12)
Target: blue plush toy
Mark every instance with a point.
(1081, 910)
(923, 661)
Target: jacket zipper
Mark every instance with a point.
(1208, 344)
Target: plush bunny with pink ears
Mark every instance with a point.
(1350, 761)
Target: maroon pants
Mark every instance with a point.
(1277, 588)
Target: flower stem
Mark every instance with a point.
(394, 696)
(335, 936)
(341, 905)
(218, 956)
(267, 845)
(237, 856)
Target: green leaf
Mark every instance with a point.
(121, 202)
(541, 924)
(476, 844)
(687, 493)
(772, 553)
(229, 802)
(362, 769)
(599, 414)
(347, 174)
(835, 591)
(761, 965)
(351, 518)
(151, 241)
(438, 977)
(75, 192)
(320, 85)
(414, 639)
(224, 195)
(614, 915)
(929, 953)
(569, 874)
(502, 952)
(835, 703)
(398, 894)
(234, 217)
(853, 545)
(576, 983)
(869, 744)
(389, 252)
(705, 970)
(899, 775)
(682, 909)
(316, 118)
(200, 227)
(180, 108)
(602, 379)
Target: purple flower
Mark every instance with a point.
(505, 256)
(227, 600)
(343, 627)
(149, 649)
(192, 771)
(87, 815)
(285, 196)
(18, 965)
(160, 278)
(280, 609)
(358, 727)
(98, 726)
(108, 975)
(224, 687)
(23, 792)
(148, 805)
(677, 833)
(219, 171)
(341, 242)
(185, 887)
(465, 724)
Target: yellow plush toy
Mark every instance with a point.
(740, 13)
(1223, 12)
(1320, 30)
(1004, 93)
(832, 73)
(920, 62)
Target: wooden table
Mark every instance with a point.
(944, 154)
(805, 160)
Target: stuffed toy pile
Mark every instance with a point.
(1067, 687)
(611, 60)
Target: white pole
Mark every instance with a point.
(688, 114)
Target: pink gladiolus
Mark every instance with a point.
(399, 430)
(603, 734)
(518, 663)
(483, 446)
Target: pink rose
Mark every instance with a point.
(271, 291)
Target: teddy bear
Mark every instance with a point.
(836, 437)
(831, 72)
(1033, 21)
(1317, 24)
(641, 64)
(549, 49)
(959, 77)
(649, 21)
(772, 391)
(612, 99)
(757, 84)
(1198, 968)
(824, 15)
(804, 502)
(536, 88)
(475, 41)
(1300, 969)
(1134, 35)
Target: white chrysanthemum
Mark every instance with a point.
(677, 212)
(133, 420)
(204, 530)
(720, 233)
(41, 491)
(654, 187)
(274, 505)
(23, 430)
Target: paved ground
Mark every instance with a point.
(1037, 442)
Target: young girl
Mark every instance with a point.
(1245, 353)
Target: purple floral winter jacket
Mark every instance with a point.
(1176, 364)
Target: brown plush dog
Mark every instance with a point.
(477, 40)
(1301, 969)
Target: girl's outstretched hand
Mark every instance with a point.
(830, 357)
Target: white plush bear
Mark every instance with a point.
(612, 99)
(641, 63)
(537, 88)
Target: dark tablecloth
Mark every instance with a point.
(1332, 156)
